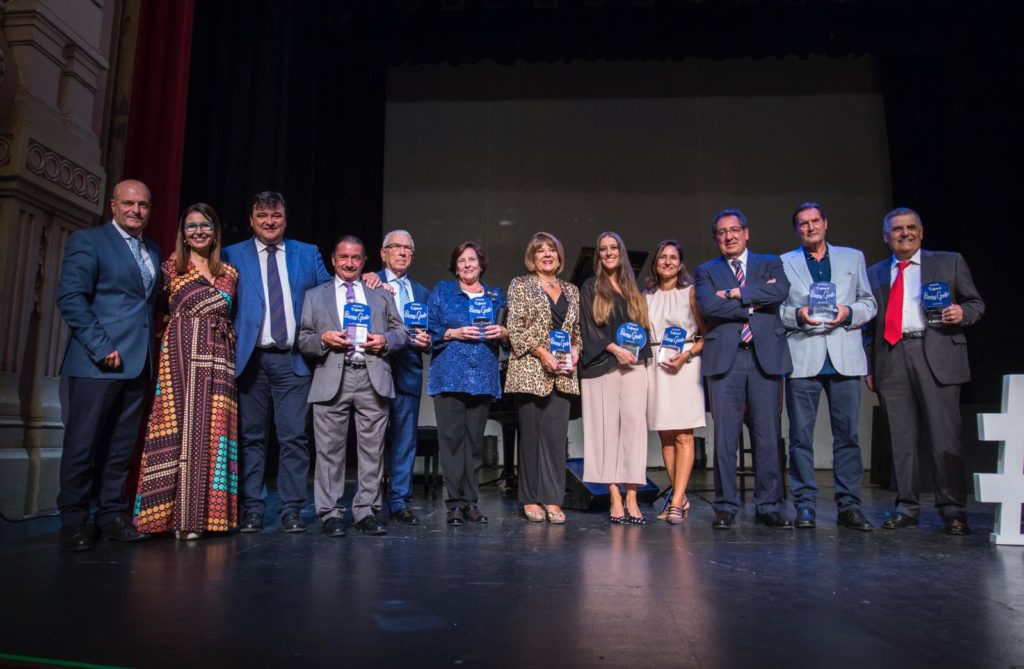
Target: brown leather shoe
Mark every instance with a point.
(473, 515)
(957, 527)
(899, 521)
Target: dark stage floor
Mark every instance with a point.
(518, 594)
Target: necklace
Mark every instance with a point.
(542, 282)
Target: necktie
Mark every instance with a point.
(894, 311)
(278, 322)
(350, 297)
(745, 334)
(403, 294)
(147, 276)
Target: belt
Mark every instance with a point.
(271, 349)
(913, 335)
(356, 364)
(746, 345)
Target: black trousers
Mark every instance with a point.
(543, 425)
(461, 420)
(100, 432)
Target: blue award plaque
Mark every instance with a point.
(631, 337)
(481, 312)
(935, 297)
(561, 349)
(356, 321)
(414, 314)
(672, 341)
(822, 301)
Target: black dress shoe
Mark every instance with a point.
(334, 527)
(854, 519)
(773, 519)
(804, 518)
(473, 515)
(291, 522)
(77, 538)
(405, 516)
(252, 521)
(370, 525)
(899, 521)
(120, 529)
(956, 527)
(454, 516)
(723, 520)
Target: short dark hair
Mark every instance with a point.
(267, 199)
(899, 211)
(459, 250)
(809, 205)
(349, 239)
(719, 215)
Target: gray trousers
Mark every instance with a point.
(543, 425)
(461, 420)
(918, 408)
(330, 427)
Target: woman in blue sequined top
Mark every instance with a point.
(463, 377)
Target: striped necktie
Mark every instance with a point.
(275, 295)
(745, 334)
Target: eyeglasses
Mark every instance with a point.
(205, 226)
(397, 247)
(725, 232)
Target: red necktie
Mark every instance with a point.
(894, 312)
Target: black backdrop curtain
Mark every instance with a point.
(290, 96)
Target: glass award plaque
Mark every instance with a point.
(561, 349)
(672, 341)
(414, 315)
(631, 337)
(822, 301)
(356, 321)
(935, 297)
(481, 312)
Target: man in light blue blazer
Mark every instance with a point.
(828, 355)
(273, 277)
(109, 283)
(745, 358)
(350, 382)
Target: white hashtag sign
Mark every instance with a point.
(1006, 487)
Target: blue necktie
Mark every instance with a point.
(403, 294)
(278, 321)
(147, 276)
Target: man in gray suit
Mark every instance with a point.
(917, 367)
(828, 355)
(349, 379)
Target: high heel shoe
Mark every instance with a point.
(534, 516)
(618, 520)
(677, 514)
(556, 517)
(635, 520)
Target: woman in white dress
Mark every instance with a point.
(675, 392)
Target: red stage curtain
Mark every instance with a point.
(156, 117)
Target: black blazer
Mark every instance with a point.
(945, 346)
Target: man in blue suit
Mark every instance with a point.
(828, 356)
(745, 359)
(407, 367)
(273, 277)
(109, 283)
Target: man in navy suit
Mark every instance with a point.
(273, 277)
(407, 367)
(109, 283)
(745, 359)
(917, 367)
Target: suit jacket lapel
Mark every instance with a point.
(120, 246)
(251, 257)
(928, 269)
(882, 276)
(291, 261)
(726, 278)
(798, 264)
(330, 296)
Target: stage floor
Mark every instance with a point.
(518, 594)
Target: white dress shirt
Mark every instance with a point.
(267, 339)
(393, 278)
(913, 311)
(339, 296)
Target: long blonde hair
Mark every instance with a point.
(182, 250)
(604, 295)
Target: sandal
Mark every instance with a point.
(534, 516)
(676, 514)
(617, 520)
(635, 520)
(556, 517)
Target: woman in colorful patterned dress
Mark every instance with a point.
(188, 480)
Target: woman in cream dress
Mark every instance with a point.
(675, 393)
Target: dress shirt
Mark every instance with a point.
(142, 246)
(913, 312)
(267, 339)
(339, 295)
(393, 278)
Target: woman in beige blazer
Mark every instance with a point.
(542, 381)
